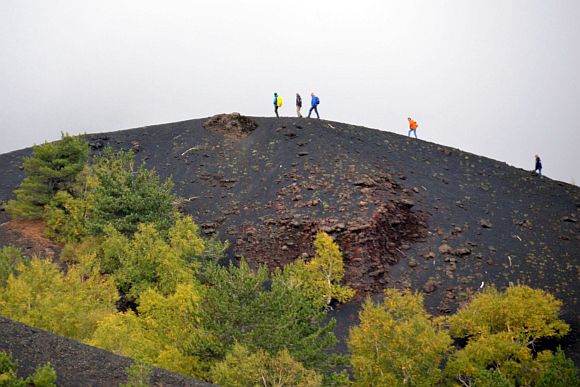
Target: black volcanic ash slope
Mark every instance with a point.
(406, 212)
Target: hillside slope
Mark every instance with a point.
(406, 213)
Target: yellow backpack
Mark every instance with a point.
(279, 101)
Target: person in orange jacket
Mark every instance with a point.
(412, 126)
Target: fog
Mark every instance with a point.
(497, 78)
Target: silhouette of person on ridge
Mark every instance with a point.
(277, 103)
(298, 105)
(538, 167)
(412, 127)
(314, 105)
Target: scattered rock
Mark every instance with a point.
(444, 249)
(413, 263)
(365, 181)
(407, 203)
(568, 219)
(430, 286)
(303, 153)
(485, 223)
(462, 251)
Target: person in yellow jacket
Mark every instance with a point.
(277, 103)
(412, 126)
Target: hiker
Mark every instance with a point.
(538, 167)
(298, 105)
(412, 126)
(314, 105)
(277, 103)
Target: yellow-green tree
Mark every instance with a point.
(397, 343)
(501, 328)
(321, 276)
(70, 304)
(242, 368)
(146, 259)
(159, 332)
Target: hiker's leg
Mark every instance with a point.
(276, 111)
(310, 111)
(316, 110)
(415, 133)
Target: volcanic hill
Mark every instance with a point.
(406, 213)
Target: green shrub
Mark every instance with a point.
(138, 375)
(126, 196)
(243, 368)
(10, 258)
(561, 372)
(240, 307)
(52, 167)
(44, 376)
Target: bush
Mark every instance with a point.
(65, 217)
(52, 167)
(126, 196)
(68, 304)
(149, 260)
(560, 372)
(396, 343)
(320, 277)
(501, 328)
(243, 306)
(138, 375)
(160, 331)
(44, 376)
(10, 258)
(243, 368)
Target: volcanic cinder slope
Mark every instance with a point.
(406, 213)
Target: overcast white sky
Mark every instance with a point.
(498, 78)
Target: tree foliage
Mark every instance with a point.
(43, 376)
(52, 167)
(527, 314)
(126, 196)
(242, 368)
(244, 306)
(501, 328)
(159, 332)
(320, 277)
(10, 258)
(397, 343)
(560, 372)
(146, 259)
(70, 304)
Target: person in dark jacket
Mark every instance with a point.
(298, 105)
(314, 105)
(538, 167)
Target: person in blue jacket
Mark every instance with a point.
(314, 105)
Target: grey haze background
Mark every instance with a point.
(494, 77)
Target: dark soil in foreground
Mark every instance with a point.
(406, 213)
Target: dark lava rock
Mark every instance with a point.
(485, 223)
